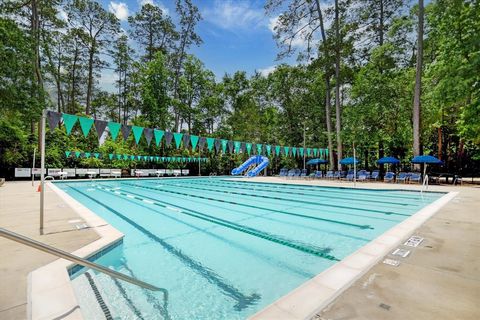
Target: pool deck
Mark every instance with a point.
(440, 279)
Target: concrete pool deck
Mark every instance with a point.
(442, 267)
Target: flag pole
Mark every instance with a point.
(42, 169)
(354, 168)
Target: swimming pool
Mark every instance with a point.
(223, 248)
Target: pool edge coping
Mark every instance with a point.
(50, 293)
(317, 293)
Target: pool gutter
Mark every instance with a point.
(49, 289)
(314, 295)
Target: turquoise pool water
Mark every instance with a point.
(224, 249)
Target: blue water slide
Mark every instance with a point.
(251, 161)
(262, 165)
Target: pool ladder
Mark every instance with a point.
(68, 256)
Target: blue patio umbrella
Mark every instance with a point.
(348, 161)
(388, 160)
(426, 160)
(316, 161)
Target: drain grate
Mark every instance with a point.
(99, 298)
(81, 226)
(414, 241)
(401, 252)
(384, 306)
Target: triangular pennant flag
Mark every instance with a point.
(85, 124)
(168, 138)
(114, 128)
(309, 151)
(300, 152)
(218, 144)
(277, 150)
(224, 145)
(230, 146)
(157, 158)
(210, 142)
(249, 147)
(178, 138)
(67, 153)
(77, 154)
(269, 149)
(201, 143)
(137, 133)
(82, 154)
(148, 133)
(326, 152)
(139, 157)
(194, 141)
(186, 141)
(53, 119)
(259, 148)
(96, 154)
(100, 126)
(87, 155)
(287, 150)
(69, 120)
(132, 157)
(320, 153)
(126, 157)
(126, 131)
(110, 155)
(158, 136)
(237, 146)
(119, 157)
(315, 152)
(294, 151)
(151, 158)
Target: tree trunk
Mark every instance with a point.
(418, 84)
(91, 53)
(439, 145)
(338, 106)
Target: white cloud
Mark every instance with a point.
(153, 3)
(266, 71)
(61, 14)
(119, 9)
(231, 15)
(299, 41)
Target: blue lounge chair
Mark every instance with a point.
(336, 175)
(297, 173)
(363, 175)
(291, 173)
(303, 173)
(330, 175)
(318, 174)
(350, 175)
(416, 177)
(283, 172)
(402, 177)
(389, 177)
(375, 175)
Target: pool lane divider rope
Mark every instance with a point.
(256, 207)
(242, 300)
(319, 252)
(300, 201)
(262, 188)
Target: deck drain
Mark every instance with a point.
(401, 252)
(384, 306)
(81, 226)
(414, 241)
(392, 262)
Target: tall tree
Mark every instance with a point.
(416, 118)
(338, 106)
(99, 27)
(122, 58)
(153, 30)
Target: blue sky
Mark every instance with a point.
(236, 34)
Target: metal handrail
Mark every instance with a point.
(68, 256)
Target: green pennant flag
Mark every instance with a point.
(236, 145)
(178, 138)
(85, 124)
(194, 141)
(286, 150)
(87, 155)
(326, 152)
(168, 159)
(269, 149)
(69, 120)
(126, 157)
(119, 157)
(294, 151)
(137, 133)
(277, 150)
(300, 151)
(157, 158)
(77, 154)
(315, 152)
(114, 128)
(249, 147)
(110, 155)
(210, 143)
(96, 154)
(67, 153)
(309, 151)
(224, 145)
(259, 148)
(320, 153)
(158, 136)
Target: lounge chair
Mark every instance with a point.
(336, 175)
(363, 175)
(291, 173)
(416, 177)
(318, 174)
(375, 175)
(350, 175)
(330, 175)
(389, 177)
(283, 172)
(303, 173)
(297, 173)
(402, 177)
